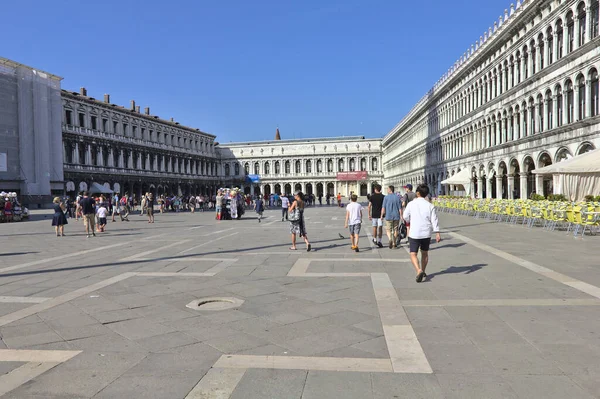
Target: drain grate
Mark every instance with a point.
(215, 303)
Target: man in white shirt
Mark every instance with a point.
(285, 204)
(423, 222)
(354, 220)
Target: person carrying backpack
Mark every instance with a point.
(408, 197)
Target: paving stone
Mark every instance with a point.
(236, 343)
(34, 339)
(149, 387)
(138, 328)
(456, 358)
(165, 341)
(335, 384)
(406, 386)
(469, 386)
(546, 386)
(268, 383)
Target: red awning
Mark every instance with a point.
(351, 176)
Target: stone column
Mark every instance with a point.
(488, 189)
(88, 154)
(493, 92)
(523, 185)
(555, 45)
(498, 187)
(510, 186)
(575, 104)
(545, 116)
(565, 38)
(100, 156)
(480, 187)
(76, 155)
(539, 184)
(588, 97)
(555, 111)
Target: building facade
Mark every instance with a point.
(313, 166)
(133, 152)
(524, 96)
(30, 133)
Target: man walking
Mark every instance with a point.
(406, 198)
(285, 203)
(89, 213)
(354, 220)
(259, 208)
(390, 211)
(423, 219)
(375, 206)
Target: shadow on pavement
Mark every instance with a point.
(457, 270)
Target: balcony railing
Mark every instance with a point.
(133, 140)
(133, 172)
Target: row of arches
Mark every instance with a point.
(302, 166)
(568, 101)
(76, 185)
(571, 30)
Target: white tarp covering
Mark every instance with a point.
(462, 178)
(575, 177)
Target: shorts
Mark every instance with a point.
(377, 222)
(150, 211)
(354, 228)
(218, 209)
(391, 225)
(416, 243)
(101, 221)
(89, 220)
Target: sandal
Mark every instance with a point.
(309, 248)
(292, 249)
(420, 277)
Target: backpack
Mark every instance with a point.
(123, 201)
(409, 197)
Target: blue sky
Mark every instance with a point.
(238, 69)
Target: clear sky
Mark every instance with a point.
(238, 68)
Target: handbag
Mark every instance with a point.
(294, 216)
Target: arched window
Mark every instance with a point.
(570, 32)
(540, 119)
(594, 89)
(329, 165)
(308, 167)
(594, 19)
(287, 167)
(256, 168)
(267, 168)
(569, 100)
(525, 63)
(518, 71)
(236, 168)
(532, 49)
(581, 92)
(226, 169)
(277, 168)
(512, 72)
(352, 165)
(341, 165)
(247, 168)
(582, 18)
(559, 39)
(298, 166)
(525, 121)
(559, 106)
(550, 44)
(549, 109)
(363, 164)
(540, 44)
(517, 130)
(319, 166)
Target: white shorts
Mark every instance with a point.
(377, 222)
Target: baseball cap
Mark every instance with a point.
(409, 186)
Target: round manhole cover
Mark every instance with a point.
(215, 303)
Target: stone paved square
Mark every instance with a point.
(321, 324)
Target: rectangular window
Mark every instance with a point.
(82, 120)
(125, 129)
(115, 127)
(94, 122)
(69, 117)
(134, 131)
(105, 125)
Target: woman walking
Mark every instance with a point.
(59, 219)
(297, 225)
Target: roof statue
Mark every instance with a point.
(277, 135)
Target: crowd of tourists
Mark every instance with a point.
(11, 209)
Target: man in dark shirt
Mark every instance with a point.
(88, 209)
(375, 205)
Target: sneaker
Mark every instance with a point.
(258, 220)
(356, 249)
(88, 236)
(352, 248)
(374, 241)
(94, 234)
(379, 244)
(390, 245)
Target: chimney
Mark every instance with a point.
(137, 109)
(277, 135)
(172, 120)
(147, 110)
(132, 105)
(83, 91)
(107, 98)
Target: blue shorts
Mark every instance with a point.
(354, 228)
(416, 243)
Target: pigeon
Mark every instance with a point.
(341, 236)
